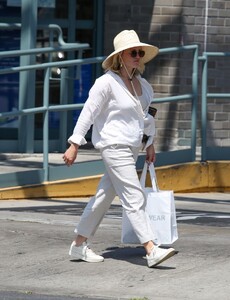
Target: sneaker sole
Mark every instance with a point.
(163, 258)
(76, 257)
(87, 260)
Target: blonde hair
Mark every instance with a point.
(115, 64)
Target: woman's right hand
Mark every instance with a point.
(71, 154)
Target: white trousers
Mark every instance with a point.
(120, 179)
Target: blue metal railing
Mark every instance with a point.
(47, 173)
(193, 96)
(210, 153)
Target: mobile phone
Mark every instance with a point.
(152, 111)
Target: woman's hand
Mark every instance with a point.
(71, 154)
(150, 154)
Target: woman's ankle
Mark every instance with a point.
(148, 247)
(79, 240)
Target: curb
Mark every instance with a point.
(193, 177)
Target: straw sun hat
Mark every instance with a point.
(128, 39)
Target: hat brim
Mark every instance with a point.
(150, 53)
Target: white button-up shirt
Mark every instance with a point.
(117, 116)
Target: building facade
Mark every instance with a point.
(173, 23)
(164, 23)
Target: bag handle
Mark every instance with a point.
(152, 176)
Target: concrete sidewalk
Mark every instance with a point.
(17, 162)
(36, 235)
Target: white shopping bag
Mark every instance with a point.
(160, 209)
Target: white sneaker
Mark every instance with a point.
(83, 252)
(158, 255)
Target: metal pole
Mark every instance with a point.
(99, 33)
(46, 125)
(204, 108)
(194, 102)
(27, 79)
(63, 115)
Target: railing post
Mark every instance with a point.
(27, 79)
(46, 125)
(194, 102)
(204, 107)
(63, 114)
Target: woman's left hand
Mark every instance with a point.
(150, 154)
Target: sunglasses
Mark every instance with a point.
(134, 53)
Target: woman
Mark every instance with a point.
(117, 107)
